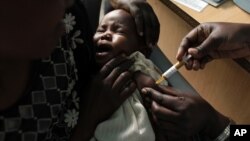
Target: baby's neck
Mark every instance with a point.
(14, 75)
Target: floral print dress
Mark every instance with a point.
(49, 109)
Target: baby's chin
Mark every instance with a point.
(103, 58)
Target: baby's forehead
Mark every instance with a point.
(119, 16)
(119, 12)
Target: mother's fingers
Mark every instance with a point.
(127, 90)
(123, 87)
(122, 81)
(139, 21)
(146, 21)
(118, 71)
(112, 64)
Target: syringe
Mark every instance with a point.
(173, 69)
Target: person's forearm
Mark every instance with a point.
(216, 126)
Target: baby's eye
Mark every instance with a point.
(121, 31)
(100, 30)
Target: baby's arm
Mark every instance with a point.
(143, 80)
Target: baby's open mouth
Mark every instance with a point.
(104, 48)
(103, 53)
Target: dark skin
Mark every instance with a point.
(116, 34)
(135, 7)
(176, 111)
(143, 80)
(110, 80)
(210, 41)
(99, 107)
(36, 36)
(178, 114)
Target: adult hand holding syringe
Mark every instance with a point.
(173, 69)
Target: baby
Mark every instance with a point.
(115, 35)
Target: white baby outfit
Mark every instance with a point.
(130, 122)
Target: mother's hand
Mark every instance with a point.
(111, 87)
(106, 93)
(182, 115)
(147, 23)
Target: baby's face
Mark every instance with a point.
(116, 34)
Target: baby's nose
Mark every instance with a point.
(106, 36)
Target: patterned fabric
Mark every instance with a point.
(49, 109)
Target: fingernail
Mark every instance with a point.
(144, 91)
(196, 51)
(193, 51)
